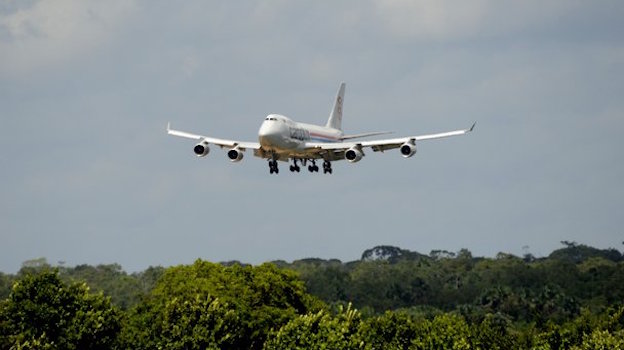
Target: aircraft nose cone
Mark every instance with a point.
(264, 130)
(267, 134)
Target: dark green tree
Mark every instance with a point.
(6, 281)
(42, 312)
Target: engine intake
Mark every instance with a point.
(201, 149)
(235, 154)
(353, 155)
(408, 149)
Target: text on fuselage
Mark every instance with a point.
(299, 134)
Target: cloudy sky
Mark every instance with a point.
(88, 174)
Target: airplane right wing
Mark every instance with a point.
(383, 144)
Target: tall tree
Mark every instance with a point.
(42, 312)
(246, 303)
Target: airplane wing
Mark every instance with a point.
(215, 141)
(385, 144)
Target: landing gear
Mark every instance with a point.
(295, 167)
(313, 168)
(327, 167)
(273, 166)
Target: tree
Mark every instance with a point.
(392, 330)
(319, 331)
(6, 281)
(246, 302)
(447, 331)
(43, 312)
(111, 279)
(602, 340)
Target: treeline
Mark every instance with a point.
(520, 289)
(389, 299)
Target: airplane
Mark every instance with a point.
(282, 139)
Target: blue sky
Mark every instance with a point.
(90, 176)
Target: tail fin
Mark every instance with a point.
(335, 118)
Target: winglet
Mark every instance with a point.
(168, 127)
(472, 127)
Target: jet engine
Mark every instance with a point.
(201, 149)
(235, 154)
(408, 149)
(353, 155)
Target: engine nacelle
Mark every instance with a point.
(408, 149)
(353, 155)
(201, 149)
(235, 154)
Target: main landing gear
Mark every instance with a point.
(273, 166)
(295, 167)
(313, 168)
(326, 167)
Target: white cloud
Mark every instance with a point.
(55, 31)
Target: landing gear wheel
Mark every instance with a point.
(273, 167)
(295, 167)
(327, 167)
(313, 168)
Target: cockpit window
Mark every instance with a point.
(270, 118)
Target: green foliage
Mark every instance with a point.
(328, 280)
(6, 281)
(383, 286)
(448, 331)
(577, 253)
(493, 333)
(319, 331)
(602, 340)
(392, 330)
(34, 266)
(244, 303)
(390, 254)
(570, 300)
(124, 290)
(43, 312)
(200, 323)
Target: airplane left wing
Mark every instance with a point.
(215, 141)
(385, 144)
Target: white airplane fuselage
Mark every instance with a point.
(281, 135)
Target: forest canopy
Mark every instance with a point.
(390, 298)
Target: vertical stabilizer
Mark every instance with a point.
(335, 118)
